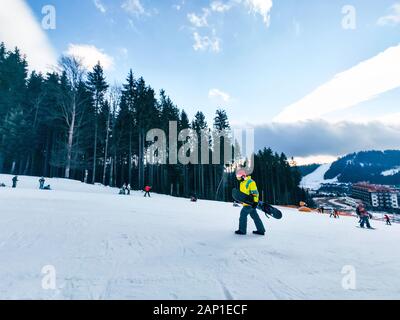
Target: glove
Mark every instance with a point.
(255, 205)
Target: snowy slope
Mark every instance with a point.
(314, 180)
(106, 246)
(391, 172)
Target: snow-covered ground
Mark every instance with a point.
(391, 172)
(106, 246)
(315, 179)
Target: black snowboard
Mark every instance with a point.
(366, 228)
(266, 208)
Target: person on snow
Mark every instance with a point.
(128, 189)
(387, 219)
(193, 198)
(41, 183)
(123, 189)
(365, 216)
(358, 211)
(248, 186)
(147, 190)
(14, 181)
(336, 214)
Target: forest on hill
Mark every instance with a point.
(73, 124)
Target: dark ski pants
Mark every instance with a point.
(147, 193)
(388, 223)
(365, 221)
(254, 215)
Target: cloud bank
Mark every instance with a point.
(361, 83)
(312, 138)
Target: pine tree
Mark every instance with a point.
(98, 86)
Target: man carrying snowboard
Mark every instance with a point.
(249, 187)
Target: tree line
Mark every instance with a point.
(72, 123)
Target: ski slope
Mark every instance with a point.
(315, 179)
(391, 172)
(106, 246)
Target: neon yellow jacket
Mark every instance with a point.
(249, 187)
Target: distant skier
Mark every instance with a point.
(41, 183)
(147, 190)
(365, 216)
(193, 198)
(122, 191)
(14, 181)
(387, 219)
(128, 189)
(249, 187)
(336, 214)
(358, 211)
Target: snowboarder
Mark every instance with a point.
(147, 190)
(128, 189)
(365, 216)
(41, 183)
(249, 187)
(14, 181)
(387, 219)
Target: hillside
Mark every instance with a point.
(307, 169)
(381, 167)
(315, 179)
(106, 246)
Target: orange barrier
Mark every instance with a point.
(305, 209)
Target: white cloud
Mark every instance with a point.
(393, 18)
(206, 43)
(199, 21)
(361, 83)
(261, 7)
(100, 6)
(134, 7)
(219, 6)
(90, 56)
(123, 51)
(212, 43)
(179, 6)
(19, 28)
(219, 95)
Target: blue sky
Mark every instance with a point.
(258, 59)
